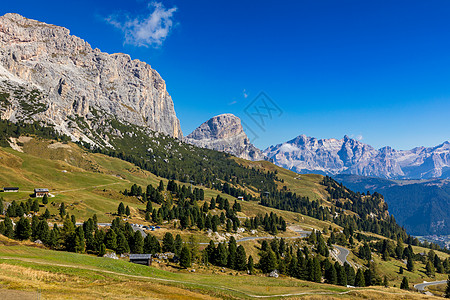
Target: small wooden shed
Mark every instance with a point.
(141, 259)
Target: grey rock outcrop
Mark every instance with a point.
(348, 156)
(225, 133)
(48, 75)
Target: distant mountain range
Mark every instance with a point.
(349, 156)
(421, 206)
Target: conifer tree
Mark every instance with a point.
(429, 269)
(62, 210)
(45, 199)
(359, 279)
(122, 244)
(447, 289)
(121, 209)
(185, 257)
(168, 241)
(178, 244)
(232, 251)
(127, 211)
(23, 229)
(250, 264)
(111, 239)
(101, 249)
(385, 281)
(46, 214)
(241, 259)
(9, 228)
(138, 243)
(410, 264)
(1, 205)
(405, 284)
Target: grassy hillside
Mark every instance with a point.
(61, 275)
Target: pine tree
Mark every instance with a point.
(359, 279)
(400, 271)
(168, 241)
(185, 257)
(221, 255)
(1, 205)
(161, 186)
(232, 250)
(127, 211)
(45, 199)
(111, 239)
(447, 289)
(429, 269)
(9, 228)
(250, 264)
(122, 244)
(62, 210)
(405, 284)
(23, 229)
(138, 243)
(178, 244)
(101, 250)
(79, 240)
(46, 214)
(410, 264)
(121, 209)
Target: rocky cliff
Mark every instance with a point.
(225, 133)
(348, 156)
(48, 75)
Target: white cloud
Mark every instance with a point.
(244, 92)
(359, 137)
(148, 30)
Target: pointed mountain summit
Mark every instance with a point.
(225, 133)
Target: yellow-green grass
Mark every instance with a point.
(61, 274)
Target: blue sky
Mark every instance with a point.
(375, 70)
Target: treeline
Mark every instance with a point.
(10, 129)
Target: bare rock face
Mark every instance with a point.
(348, 156)
(48, 75)
(225, 133)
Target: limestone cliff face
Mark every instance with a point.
(225, 133)
(48, 75)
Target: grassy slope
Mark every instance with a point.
(61, 274)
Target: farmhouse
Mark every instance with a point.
(141, 259)
(40, 192)
(11, 189)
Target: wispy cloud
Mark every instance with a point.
(359, 137)
(146, 30)
(244, 92)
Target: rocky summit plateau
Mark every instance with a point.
(225, 133)
(51, 76)
(349, 156)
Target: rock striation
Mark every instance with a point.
(225, 133)
(348, 156)
(50, 76)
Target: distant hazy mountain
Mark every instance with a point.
(224, 133)
(349, 156)
(421, 206)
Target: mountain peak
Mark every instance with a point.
(81, 91)
(224, 133)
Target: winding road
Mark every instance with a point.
(421, 286)
(343, 253)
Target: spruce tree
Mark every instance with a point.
(178, 244)
(168, 242)
(62, 210)
(127, 211)
(111, 239)
(447, 289)
(1, 205)
(429, 269)
(359, 279)
(121, 209)
(250, 264)
(232, 252)
(101, 249)
(405, 284)
(185, 257)
(138, 243)
(46, 214)
(161, 186)
(410, 264)
(122, 244)
(45, 199)
(23, 229)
